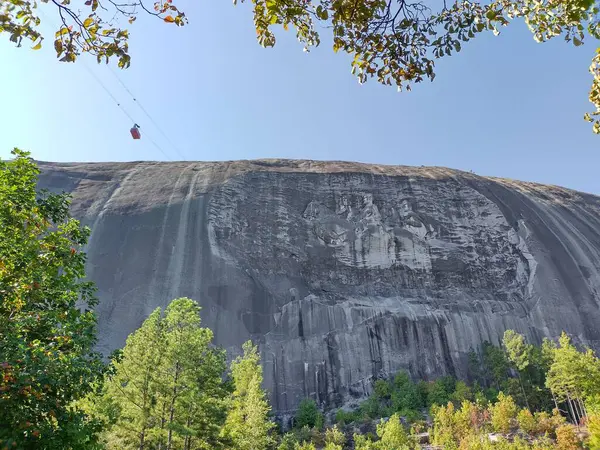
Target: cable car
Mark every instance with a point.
(135, 131)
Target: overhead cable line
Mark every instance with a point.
(82, 62)
(147, 113)
(121, 106)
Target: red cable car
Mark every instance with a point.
(135, 131)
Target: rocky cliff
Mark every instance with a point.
(342, 272)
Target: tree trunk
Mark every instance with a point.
(554, 398)
(573, 414)
(523, 390)
(582, 411)
(142, 437)
(163, 421)
(187, 441)
(172, 409)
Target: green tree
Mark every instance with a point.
(527, 422)
(362, 442)
(573, 376)
(531, 366)
(305, 446)
(248, 424)
(566, 438)
(47, 326)
(167, 386)
(504, 413)
(308, 414)
(495, 364)
(133, 386)
(440, 391)
(392, 435)
(334, 439)
(382, 389)
(461, 393)
(444, 430)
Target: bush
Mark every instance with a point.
(362, 442)
(370, 408)
(440, 391)
(334, 439)
(527, 422)
(411, 415)
(288, 442)
(543, 422)
(566, 438)
(504, 413)
(406, 398)
(594, 429)
(382, 389)
(344, 417)
(392, 435)
(461, 393)
(308, 414)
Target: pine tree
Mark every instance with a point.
(166, 389)
(134, 386)
(248, 424)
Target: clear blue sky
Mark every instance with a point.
(505, 106)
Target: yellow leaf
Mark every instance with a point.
(37, 46)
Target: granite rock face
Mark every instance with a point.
(342, 272)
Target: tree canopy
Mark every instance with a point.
(166, 389)
(47, 326)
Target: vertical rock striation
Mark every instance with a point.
(342, 272)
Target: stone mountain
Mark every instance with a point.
(342, 272)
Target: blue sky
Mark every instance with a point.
(505, 106)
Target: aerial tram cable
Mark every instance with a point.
(134, 98)
(135, 129)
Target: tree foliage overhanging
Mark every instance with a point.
(394, 41)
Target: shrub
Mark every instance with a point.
(343, 417)
(334, 439)
(392, 435)
(566, 438)
(362, 442)
(440, 391)
(461, 393)
(308, 414)
(543, 422)
(370, 408)
(504, 413)
(382, 389)
(527, 422)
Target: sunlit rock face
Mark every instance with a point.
(342, 272)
